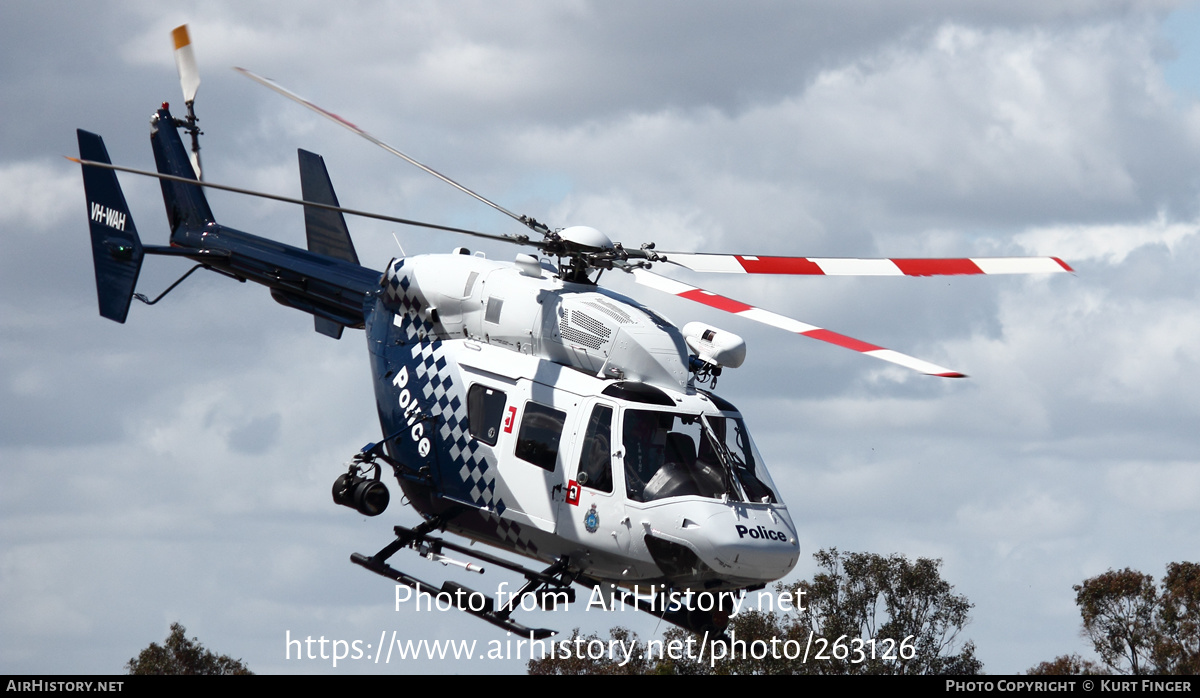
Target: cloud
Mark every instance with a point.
(32, 192)
(170, 456)
(1110, 244)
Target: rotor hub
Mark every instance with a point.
(585, 238)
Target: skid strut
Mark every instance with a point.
(555, 581)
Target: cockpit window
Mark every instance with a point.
(674, 455)
(732, 440)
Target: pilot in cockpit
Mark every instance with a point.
(645, 438)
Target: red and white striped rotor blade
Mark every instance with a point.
(845, 266)
(699, 295)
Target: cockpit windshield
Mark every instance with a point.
(668, 454)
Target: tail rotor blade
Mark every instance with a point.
(189, 79)
(185, 61)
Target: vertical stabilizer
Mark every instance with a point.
(116, 250)
(326, 230)
(187, 207)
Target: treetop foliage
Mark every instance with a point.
(870, 596)
(1136, 627)
(181, 656)
(861, 606)
(1177, 646)
(581, 664)
(1118, 617)
(1072, 665)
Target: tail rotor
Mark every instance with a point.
(189, 79)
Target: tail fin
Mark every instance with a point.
(326, 230)
(116, 249)
(187, 207)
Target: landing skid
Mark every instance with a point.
(554, 580)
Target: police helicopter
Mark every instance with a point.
(522, 404)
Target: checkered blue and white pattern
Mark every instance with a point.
(468, 471)
(406, 303)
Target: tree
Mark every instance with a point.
(579, 656)
(183, 656)
(1136, 627)
(893, 615)
(1068, 665)
(1118, 617)
(869, 614)
(1177, 645)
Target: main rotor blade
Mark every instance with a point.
(834, 266)
(531, 223)
(517, 239)
(713, 300)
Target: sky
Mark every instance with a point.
(177, 467)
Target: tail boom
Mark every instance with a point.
(330, 285)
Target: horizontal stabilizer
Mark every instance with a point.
(116, 249)
(329, 328)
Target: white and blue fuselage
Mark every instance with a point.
(557, 419)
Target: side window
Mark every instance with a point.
(485, 411)
(541, 429)
(595, 463)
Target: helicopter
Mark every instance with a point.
(522, 404)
